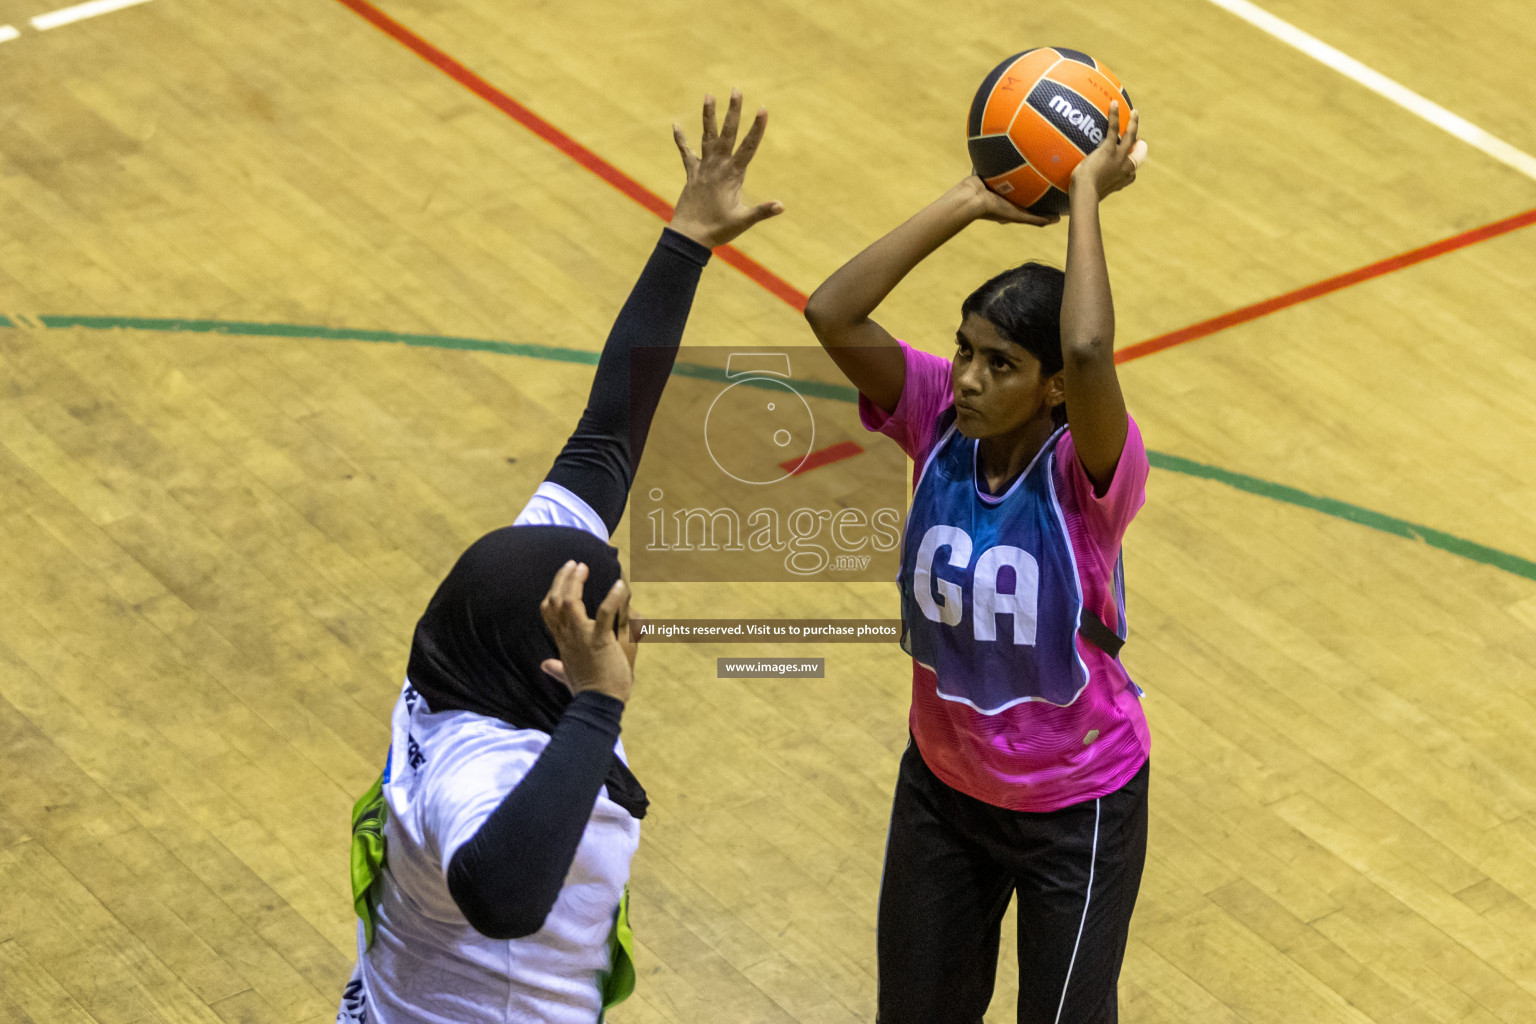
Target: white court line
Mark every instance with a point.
(79, 12)
(7, 33)
(1380, 84)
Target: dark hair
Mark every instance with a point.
(1024, 304)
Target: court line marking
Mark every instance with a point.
(783, 290)
(822, 457)
(728, 254)
(1383, 86)
(777, 286)
(79, 12)
(1458, 546)
(1343, 510)
(1324, 287)
(8, 32)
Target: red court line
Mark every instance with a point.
(1332, 284)
(754, 270)
(815, 460)
(782, 289)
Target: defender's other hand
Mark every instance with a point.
(592, 655)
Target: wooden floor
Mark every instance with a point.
(215, 547)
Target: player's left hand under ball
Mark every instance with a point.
(988, 205)
(710, 210)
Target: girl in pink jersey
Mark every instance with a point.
(1027, 773)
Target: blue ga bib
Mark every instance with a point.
(990, 596)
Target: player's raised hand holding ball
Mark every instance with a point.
(1112, 165)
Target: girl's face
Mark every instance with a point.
(998, 386)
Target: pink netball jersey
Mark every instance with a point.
(1035, 744)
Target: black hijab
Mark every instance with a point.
(479, 644)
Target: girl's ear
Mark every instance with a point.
(1056, 388)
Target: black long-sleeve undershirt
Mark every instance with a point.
(599, 460)
(506, 878)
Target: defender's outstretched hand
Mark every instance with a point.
(710, 210)
(1112, 165)
(595, 654)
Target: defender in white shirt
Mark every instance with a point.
(489, 861)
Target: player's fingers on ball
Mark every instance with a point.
(1022, 216)
(997, 204)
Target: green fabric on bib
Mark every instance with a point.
(368, 816)
(368, 854)
(619, 982)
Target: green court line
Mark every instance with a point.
(1160, 460)
(259, 330)
(242, 328)
(1342, 510)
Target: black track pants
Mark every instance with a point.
(951, 864)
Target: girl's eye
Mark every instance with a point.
(999, 363)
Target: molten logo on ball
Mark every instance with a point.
(1079, 120)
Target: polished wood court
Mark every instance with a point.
(215, 547)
